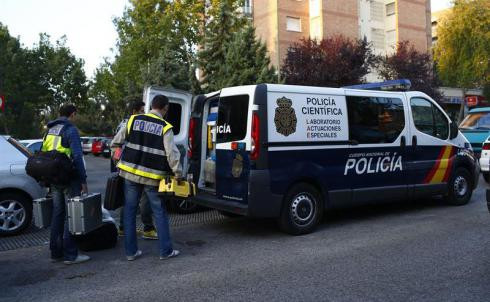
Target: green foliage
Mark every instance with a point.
(36, 82)
(222, 21)
(462, 51)
(246, 61)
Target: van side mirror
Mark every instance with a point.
(453, 130)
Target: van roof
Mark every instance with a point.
(329, 90)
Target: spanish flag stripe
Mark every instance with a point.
(436, 166)
(443, 165)
(449, 166)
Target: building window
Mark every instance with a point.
(378, 38)
(377, 11)
(293, 24)
(390, 9)
(390, 38)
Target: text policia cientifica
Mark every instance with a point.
(327, 110)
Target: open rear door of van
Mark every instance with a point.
(178, 115)
(234, 143)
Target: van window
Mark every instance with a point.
(429, 119)
(174, 116)
(232, 118)
(375, 120)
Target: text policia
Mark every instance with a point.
(373, 163)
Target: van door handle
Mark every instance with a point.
(414, 141)
(403, 142)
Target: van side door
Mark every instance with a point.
(234, 143)
(179, 112)
(377, 161)
(431, 151)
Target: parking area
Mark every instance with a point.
(98, 170)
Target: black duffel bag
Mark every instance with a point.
(50, 167)
(104, 237)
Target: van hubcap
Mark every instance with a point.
(302, 209)
(460, 186)
(12, 215)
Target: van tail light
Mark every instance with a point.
(254, 154)
(192, 142)
(486, 146)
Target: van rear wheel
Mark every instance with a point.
(302, 210)
(460, 188)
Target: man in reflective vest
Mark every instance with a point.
(63, 137)
(149, 154)
(137, 106)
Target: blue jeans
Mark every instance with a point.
(132, 195)
(61, 242)
(146, 215)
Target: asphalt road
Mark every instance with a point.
(424, 251)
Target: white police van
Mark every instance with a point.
(290, 152)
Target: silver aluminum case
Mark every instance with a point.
(84, 213)
(42, 209)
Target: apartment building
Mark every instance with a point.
(279, 23)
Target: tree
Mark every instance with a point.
(246, 61)
(408, 63)
(332, 62)
(20, 83)
(61, 74)
(462, 51)
(222, 20)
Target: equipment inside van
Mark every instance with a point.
(291, 152)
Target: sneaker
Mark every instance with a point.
(120, 232)
(132, 258)
(151, 235)
(174, 253)
(79, 259)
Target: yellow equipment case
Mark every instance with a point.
(169, 186)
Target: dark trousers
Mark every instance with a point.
(146, 215)
(61, 242)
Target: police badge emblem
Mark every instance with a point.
(237, 166)
(285, 117)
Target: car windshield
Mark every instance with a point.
(477, 121)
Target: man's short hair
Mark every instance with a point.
(67, 110)
(159, 102)
(136, 105)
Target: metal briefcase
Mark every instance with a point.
(84, 213)
(42, 210)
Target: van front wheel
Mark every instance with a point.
(302, 210)
(460, 188)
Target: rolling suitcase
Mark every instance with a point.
(42, 210)
(114, 192)
(84, 213)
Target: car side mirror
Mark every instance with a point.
(453, 130)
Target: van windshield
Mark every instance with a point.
(480, 120)
(232, 118)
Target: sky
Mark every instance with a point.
(87, 24)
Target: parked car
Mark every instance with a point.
(476, 127)
(485, 160)
(87, 144)
(102, 146)
(17, 189)
(32, 144)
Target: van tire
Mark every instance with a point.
(302, 210)
(23, 206)
(460, 188)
